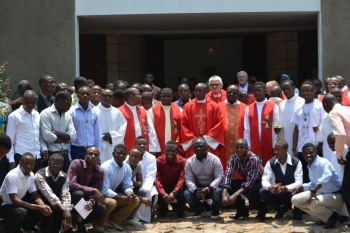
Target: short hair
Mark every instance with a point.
(139, 149)
(307, 145)
(309, 83)
(140, 137)
(331, 135)
(129, 92)
(259, 84)
(89, 81)
(79, 81)
(166, 89)
(120, 146)
(43, 78)
(149, 73)
(56, 156)
(109, 86)
(27, 154)
(146, 96)
(291, 82)
(64, 95)
(185, 84)
(171, 142)
(118, 94)
(5, 141)
(143, 87)
(242, 71)
(282, 143)
(215, 77)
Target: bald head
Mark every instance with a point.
(336, 91)
(29, 94)
(242, 141)
(282, 143)
(23, 86)
(166, 90)
(199, 140)
(342, 80)
(146, 95)
(232, 88)
(202, 85)
(328, 102)
(276, 92)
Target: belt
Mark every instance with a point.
(81, 147)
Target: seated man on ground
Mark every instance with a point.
(53, 185)
(170, 180)
(321, 195)
(281, 175)
(203, 172)
(86, 179)
(17, 212)
(119, 205)
(251, 170)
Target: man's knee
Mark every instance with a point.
(110, 203)
(217, 194)
(135, 203)
(142, 192)
(297, 199)
(20, 213)
(189, 197)
(264, 194)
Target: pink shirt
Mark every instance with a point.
(340, 121)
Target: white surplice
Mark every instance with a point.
(259, 107)
(110, 120)
(149, 171)
(287, 108)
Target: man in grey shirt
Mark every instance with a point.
(56, 126)
(203, 172)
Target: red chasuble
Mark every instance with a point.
(233, 122)
(159, 123)
(251, 99)
(222, 98)
(200, 119)
(129, 139)
(345, 98)
(262, 147)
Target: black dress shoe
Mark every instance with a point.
(320, 223)
(280, 213)
(331, 221)
(297, 214)
(261, 217)
(239, 215)
(343, 218)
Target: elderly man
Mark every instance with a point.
(216, 93)
(321, 195)
(203, 173)
(248, 165)
(53, 185)
(242, 78)
(282, 174)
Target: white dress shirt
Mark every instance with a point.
(24, 130)
(269, 177)
(244, 88)
(16, 182)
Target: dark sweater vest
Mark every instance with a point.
(40, 103)
(56, 187)
(288, 177)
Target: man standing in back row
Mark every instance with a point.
(216, 94)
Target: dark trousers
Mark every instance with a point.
(17, 217)
(276, 200)
(77, 152)
(141, 193)
(66, 161)
(192, 199)
(252, 194)
(97, 211)
(53, 222)
(38, 162)
(345, 189)
(4, 169)
(163, 206)
(305, 170)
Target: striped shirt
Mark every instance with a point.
(251, 170)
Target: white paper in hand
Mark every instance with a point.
(80, 208)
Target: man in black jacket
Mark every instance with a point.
(45, 99)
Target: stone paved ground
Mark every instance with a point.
(205, 224)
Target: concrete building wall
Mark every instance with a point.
(38, 37)
(335, 33)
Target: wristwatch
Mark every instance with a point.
(174, 192)
(92, 201)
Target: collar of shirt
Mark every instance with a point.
(47, 98)
(77, 105)
(315, 163)
(262, 102)
(116, 165)
(166, 107)
(203, 101)
(289, 161)
(206, 156)
(20, 172)
(176, 160)
(217, 95)
(235, 103)
(85, 167)
(131, 107)
(244, 86)
(275, 99)
(181, 102)
(48, 174)
(23, 112)
(344, 88)
(293, 98)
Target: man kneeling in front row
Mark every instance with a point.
(321, 195)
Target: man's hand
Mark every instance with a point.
(312, 195)
(12, 166)
(200, 195)
(45, 155)
(67, 221)
(166, 198)
(144, 200)
(232, 199)
(296, 190)
(45, 210)
(89, 205)
(99, 195)
(341, 161)
(107, 137)
(225, 201)
(172, 197)
(131, 197)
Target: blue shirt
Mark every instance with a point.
(86, 126)
(322, 172)
(114, 175)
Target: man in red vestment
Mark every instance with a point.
(202, 117)
(216, 93)
(138, 120)
(232, 112)
(166, 118)
(345, 90)
(260, 117)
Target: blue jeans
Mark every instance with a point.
(77, 152)
(215, 195)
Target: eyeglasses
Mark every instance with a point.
(107, 96)
(70, 103)
(214, 84)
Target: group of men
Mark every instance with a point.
(123, 147)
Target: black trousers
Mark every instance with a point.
(306, 178)
(52, 223)
(97, 211)
(17, 217)
(252, 194)
(163, 206)
(38, 162)
(276, 200)
(345, 189)
(4, 169)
